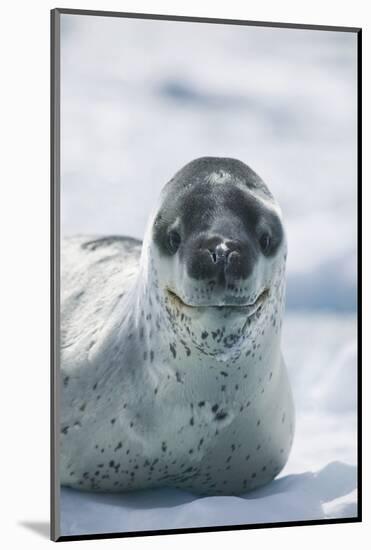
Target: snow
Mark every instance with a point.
(142, 98)
(320, 478)
(297, 497)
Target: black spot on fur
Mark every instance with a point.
(173, 350)
(221, 415)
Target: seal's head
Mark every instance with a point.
(217, 240)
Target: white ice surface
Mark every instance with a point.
(320, 478)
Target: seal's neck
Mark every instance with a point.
(169, 333)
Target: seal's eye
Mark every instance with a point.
(174, 241)
(265, 242)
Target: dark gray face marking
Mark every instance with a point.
(220, 229)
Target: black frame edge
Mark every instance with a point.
(359, 272)
(213, 20)
(54, 271)
(238, 527)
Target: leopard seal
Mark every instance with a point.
(171, 365)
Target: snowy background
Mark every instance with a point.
(142, 98)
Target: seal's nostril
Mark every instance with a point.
(219, 254)
(216, 254)
(233, 256)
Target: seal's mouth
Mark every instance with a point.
(246, 309)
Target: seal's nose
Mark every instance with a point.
(220, 259)
(220, 251)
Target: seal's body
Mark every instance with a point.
(172, 373)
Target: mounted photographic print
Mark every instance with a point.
(205, 282)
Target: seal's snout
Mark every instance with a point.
(228, 258)
(224, 260)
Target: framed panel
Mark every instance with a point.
(206, 281)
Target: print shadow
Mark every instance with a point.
(42, 528)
